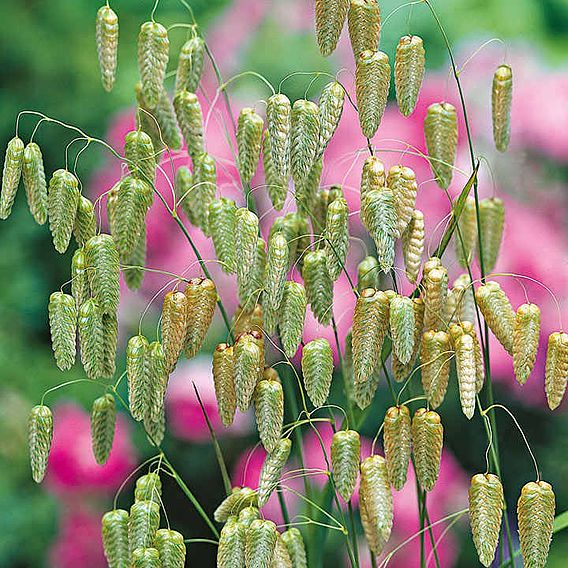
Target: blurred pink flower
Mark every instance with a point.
(72, 468)
(184, 414)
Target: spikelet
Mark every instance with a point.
(203, 191)
(63, 326)
(104, 272)
(13, 162)
(397, 444)
(375, 502)
(140, 156)
(319, 286)
(85, 222)
(279, 123)
(231, 550)
(435, 355)
(486, 504)
(246, 236)
(90, 326)
(79, 277)
(441, 133)
(155, 429)
(408, 72)
(109, 344)
(413, 245)
(378, 214)
(276, 183)
(336, 236)
(281, 558)
(466, 370)
(467, 224)
(115, 538)
(303, 239)
(330, 18)
(168, 130)
(183, 185)
(460, 305)
(136, 262)
(249, 142)
(248, 359)
(62, 202)
(501, 99)
(526, 334)
(148, 488)
(276, 270)
(190, 65)
(370, 325)
(143, 523)
(364, 21)
(202, 299)
(292, 315)
(107, 45)
(145, 557)
(222, 223)
(435, 291)
(247, 320)
(331, 109)
(147, 119)
(400, 371)
(235, 502)
(345, 456)
(261, 537)
(158, 380)
(535, 512)
(491, 221)
(103, 421)
(372, 82)
(174, 326)
(556, 368)
(368, 273)
(497, 312)
(306, 189)
(190, 120)
(272, 469)
(137, 369)
(296, 548)
(288, 226)
(153, 55)
(33, 174)
(427, 441)
(402, 183)
(322, 199)
(304, 138)
(171, 547)
(456, 332)
(269, 412)
(317, 368)
(250, 289)
(402, 325)
(224, 381)
(40, 433)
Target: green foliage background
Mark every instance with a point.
(48, 63)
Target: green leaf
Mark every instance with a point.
(560, 522)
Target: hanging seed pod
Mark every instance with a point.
(169, 132)
(330, 18)
(303, 239)
(345, 456)
(90, 326)
(467, 328)
(235, 502)
(158, 380)
(331, 109)
(153, 55)
(460, 304)
(107, 45)
(63, 327)
(40, 433)
(497, 312)
(526, 333)
(245, 321)
(491, 222)
(272, 469)
(145, 558)
(137, 369)
(115, 538)
(246, 237)
(467, 224)
(248, 357)
(251, 289)
(171, 547)
(535, 512)
(174, 326)
(402, 371)
(292, 315)
(466, 370)
(304, 139)
(408, 72)
(148, 488)
(281, 558)
(306, 189)
(294, 542)
(143, 523)
(85, 222)
(317, 368)
(413, 245)
(109, 344)
(104, 272)
(435, 292)
(363, 393)
(486, 504)
(224, 381)
(370, 325)
(402, 325)
(202, 299)
(364, 21)
(140, 155)
(276, 270)
(378, 214)
(373, 176)
(402, 182)
(319, 286)
(222, 225)
(190, 65)
(136, 262)
(397, 444)
(34, 182)
(288, 226)
(183, 186)
(249, 142)
(231, 549)
(279, 123)
(203, 190)
(155, 429)
(103, 422)
(427, 441)
(436, 356)
(62, 202)
(190, 120)
(269, 412)
(336, 237)
(556, 368)
(441, 133)
(276, 183)
(501, 99)
(13, 162)
(375, 502)
(260, 543)
(79, 278)
(147, 119)
(368, 273)
(372, 82)
(322, 199)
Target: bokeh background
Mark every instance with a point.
(48, 63)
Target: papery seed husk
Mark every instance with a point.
(491, 223)
(168, 130)
(397, 442)
(296, 548)
(402, 325)
(304, 139)
(272, 469)
(368, 273)
(526, 334)
(246, 320)
(138, 372)
(460, 305)
(107, 45)
(174, 326)
(261, 537)
(249, 142)
(239, 499)
(378, 215)
(13, 162)
(90, 327)
(201, 294)
(323, 198)
(110, 342)
(103, 422)
(251, 288)
(501, 99)
(276, 183)
(62, 202)
(319, 286)
(364, 21)
(40, 434)
(158, 376)
(336, 236)
(203, 190)
(222, 224)
(435, 357)
(153, 55)
(171, 547)
(143, 523)
(402, 182)
(373, 176)
(330, 18)
(63, 325)
(276, 271)
(35, 184)
(435, 293)
(306, 189)
(497, 312)
(441, 133)
(269, 412)
(400, 371)
(140, 155)
(317, 368)
(408, 72)
(345, 457)
(231, 549)
(427, 441)
(190, 65)
(148, 488)
(248, 366)
(331, 108)
(279, 124)
(466, 239)
(224, 381)
(147, 118)
(115, 538)
(292, 316)
(85, 222)
(79, 278)
(190, 120)
(145, 557)
(136, 262)
(466, 371)
(556, 374)
(104, 271)
(413, 239)
(246, 238)
(281, 557)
